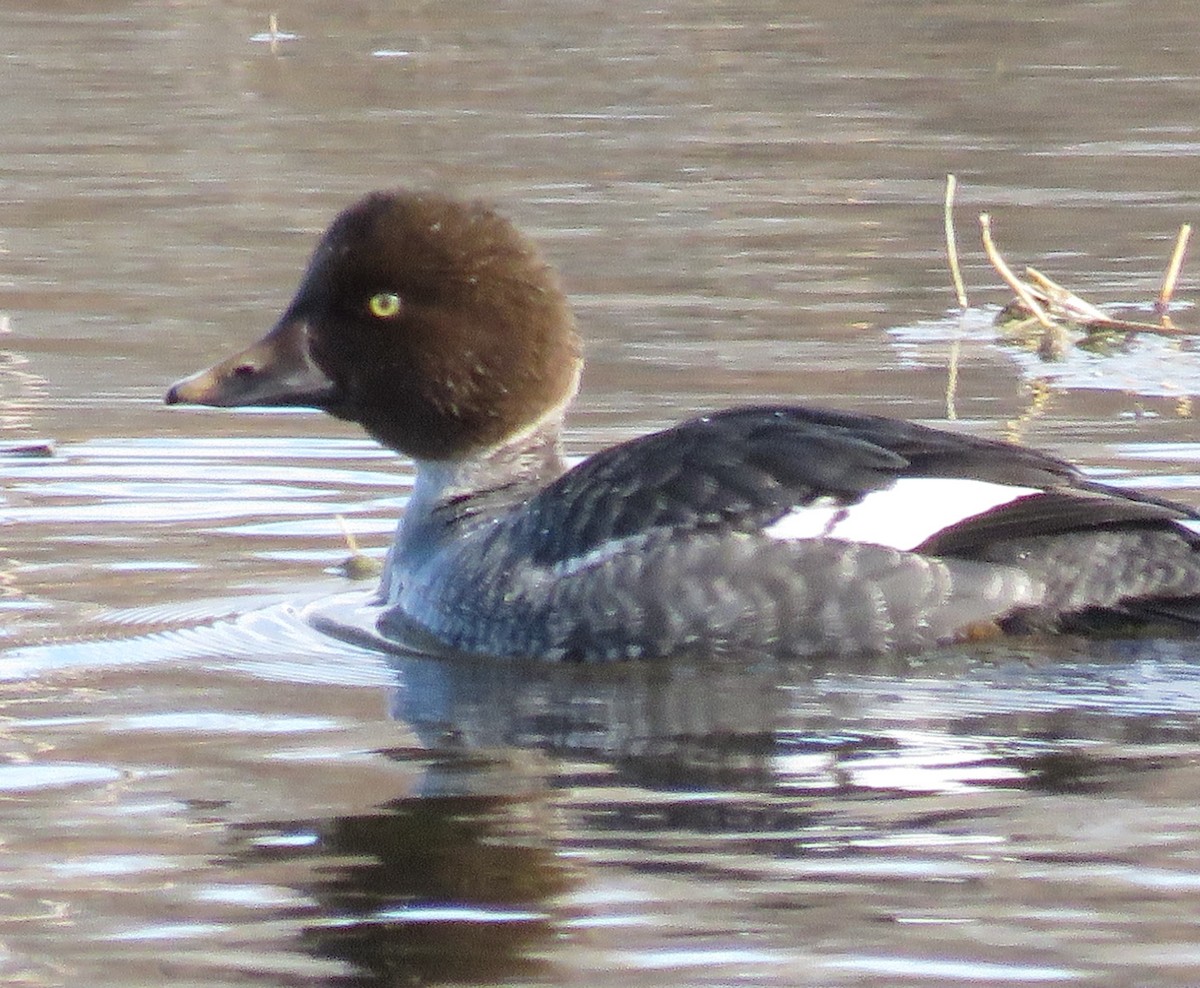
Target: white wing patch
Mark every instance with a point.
(903, 516)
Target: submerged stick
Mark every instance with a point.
(1134, 326)
(1173, 269)
(1005, 272)
(951, 244)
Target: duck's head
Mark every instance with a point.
(431, 322)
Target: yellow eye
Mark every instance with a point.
(384, 305)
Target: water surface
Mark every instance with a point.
(199, 787)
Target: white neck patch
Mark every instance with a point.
(902, 516)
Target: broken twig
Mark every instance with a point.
(1063, 302)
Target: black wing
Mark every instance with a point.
(744, 468)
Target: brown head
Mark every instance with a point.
(433, 323)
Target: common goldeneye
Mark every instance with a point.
(783, 530)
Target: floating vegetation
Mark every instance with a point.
(1046, 317)
(358, 565)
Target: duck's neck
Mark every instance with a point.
(489, 480)
(507, 473)
(451, 496)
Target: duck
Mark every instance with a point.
(769, 530)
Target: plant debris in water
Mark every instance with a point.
(1047, 317)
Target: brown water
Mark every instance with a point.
(198, 788)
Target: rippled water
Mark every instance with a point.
(200, 786)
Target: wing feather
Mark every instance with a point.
(745, 468)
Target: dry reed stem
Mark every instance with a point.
(960, 290)
(1005, 272)
(1173, 269)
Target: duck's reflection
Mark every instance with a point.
(425, 890)
(539, 781)
(679, 712)
(470, 880)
